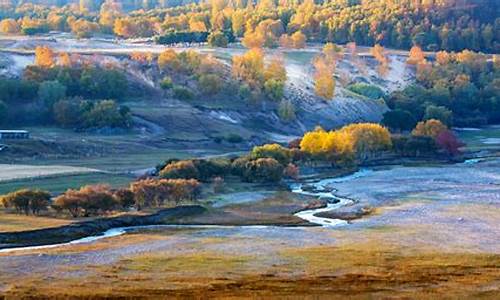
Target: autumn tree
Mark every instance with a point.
(324, 82)
(27, 201)
(276, 151)
(431, 128)
(415, 56)
(448, 141)
(340, 146)
(298, 40)
(253, 39)
(169, 59)
(124, 27)
(158, 192)
(9, 26)
(275, 69)
(380, 56)
(44, 57)
(65, 60)
(87, 201)
(368, 138)
(144, 58)
(249, 67)
(334, 146)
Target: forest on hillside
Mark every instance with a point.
(451, 25)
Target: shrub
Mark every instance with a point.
(449, 142)
(217, 39)
(439, 113)
(200, 169)
(210, 84)
(218, 184)
(399, 120)
(166, 83)
(67, 113)
(174, 37)
(124, 197)
(265, 170)
(278, 152)
(184, 169)
(274, 89)
(210, 168)
(27, 201)
(107, 113)
(245, 92)
(414, 146)
(291, 171)
(286, 111)
(367, 90)
(238, 165)
(182, 93)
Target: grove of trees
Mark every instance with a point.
(66, 90)
(449, 25)
(460, 89)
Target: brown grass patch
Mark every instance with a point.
(10, 222)
(356, 271)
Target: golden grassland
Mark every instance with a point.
(10, 222)
(399, 261)
(373, 269)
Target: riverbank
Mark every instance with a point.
(275, 208)
(71, 232)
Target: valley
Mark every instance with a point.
(249, 149)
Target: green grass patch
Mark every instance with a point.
(59, 184)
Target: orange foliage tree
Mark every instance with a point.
(430, 128)
(44, 57)
(9, 26)
(416, 56)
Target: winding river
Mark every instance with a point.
(320, 189)
(323, 189)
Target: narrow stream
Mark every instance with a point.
(319, 189)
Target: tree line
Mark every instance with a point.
(449, 25)
(92, 200)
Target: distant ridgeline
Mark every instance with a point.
(451, 25)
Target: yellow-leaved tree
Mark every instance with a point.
(379, 54)
(368, 138)
(249, 67)
(324, 66)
